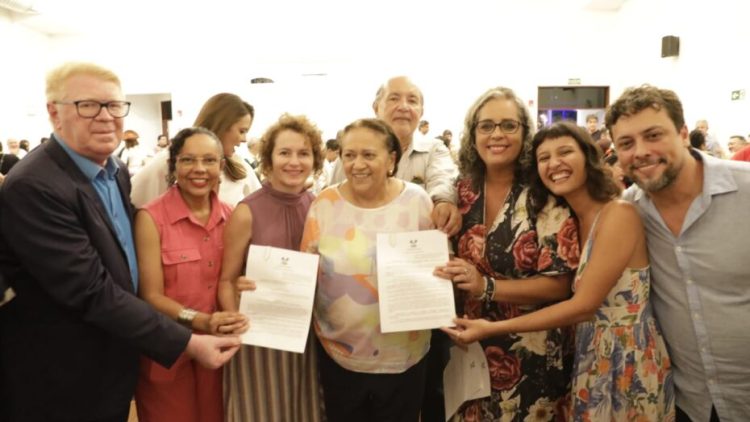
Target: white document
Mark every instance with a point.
(410, 297)
(280, 307)
(466, 377)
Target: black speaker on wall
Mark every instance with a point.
(670, 46)
(166, 110)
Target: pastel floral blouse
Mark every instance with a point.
(529, 372)
(346, 316)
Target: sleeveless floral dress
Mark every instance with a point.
(621, 370)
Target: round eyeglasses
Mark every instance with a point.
(190, 161)
(507, 126)
(88, 109)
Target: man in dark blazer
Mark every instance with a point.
(6, 293)
(71, 338)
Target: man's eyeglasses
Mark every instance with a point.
(88, 109)
(507, 126)
(190, 161)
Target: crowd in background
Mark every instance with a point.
(594, 265)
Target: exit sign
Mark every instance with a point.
(574, 81)
(738, 95)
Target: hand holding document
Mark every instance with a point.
(467, 377)
(409, 295)
(280, 308)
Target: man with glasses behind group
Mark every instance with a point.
(71, 338)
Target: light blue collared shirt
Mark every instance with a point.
(105, 183)
(701, 291)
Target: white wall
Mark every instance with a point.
(22, 111)
(453, 52)
(145, 117)
(713, 39)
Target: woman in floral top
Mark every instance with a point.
(621, 371)
(530, 256)
(366, 374)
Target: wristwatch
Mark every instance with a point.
(186, 317)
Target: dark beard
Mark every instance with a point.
(666, 179)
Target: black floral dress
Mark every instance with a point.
(529, 372)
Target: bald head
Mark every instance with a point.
(399, 102)
(13, 145)
(395, 80)
(702, 125)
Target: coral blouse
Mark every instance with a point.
(190, 252)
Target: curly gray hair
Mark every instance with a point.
(469, 163)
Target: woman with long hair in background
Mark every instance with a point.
(230, 118)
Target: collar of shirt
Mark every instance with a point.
(88, 167)
(177, 209)
(717, 178)
(419, 143)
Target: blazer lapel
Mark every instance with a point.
(84, 186)
(123, 183)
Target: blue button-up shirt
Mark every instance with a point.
(701, 291)
(105, 183)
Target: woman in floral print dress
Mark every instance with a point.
(531, 255)
(621, 369)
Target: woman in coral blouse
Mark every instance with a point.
(178, 240)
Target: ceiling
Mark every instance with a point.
(164, 43)
(295, 32)
(90, 17)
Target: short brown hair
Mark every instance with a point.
(298, 124)
(392, 144)
(636, 99)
